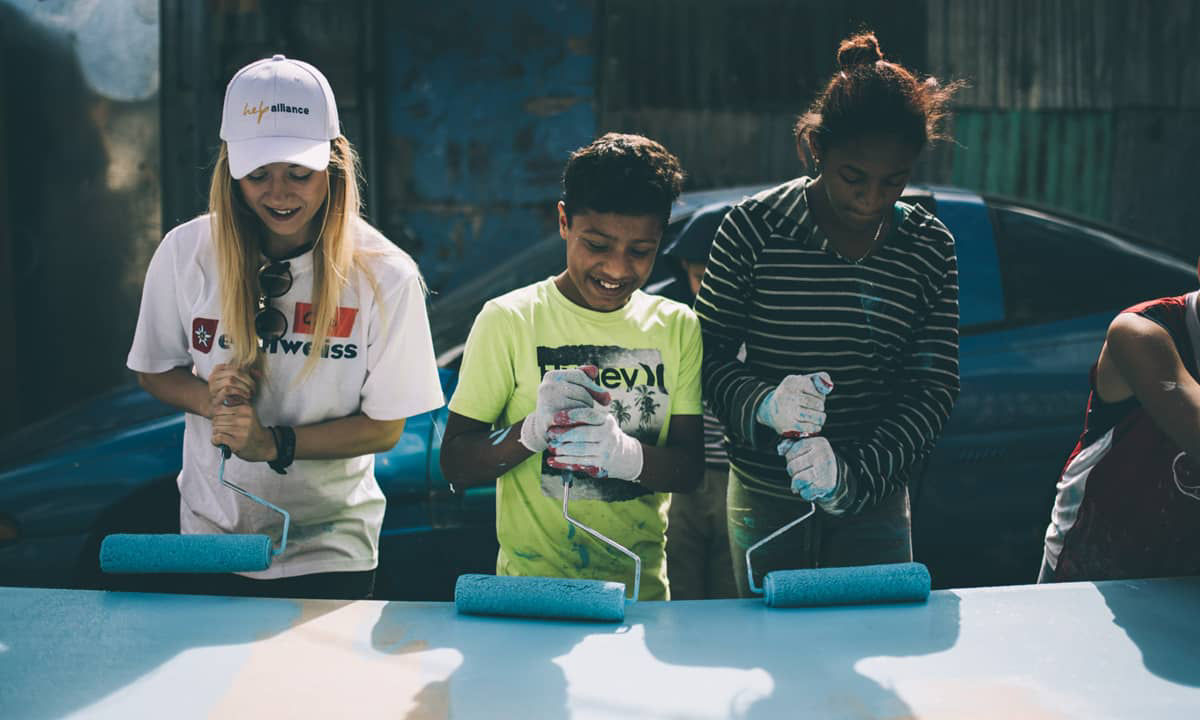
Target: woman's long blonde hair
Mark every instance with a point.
(237, 234)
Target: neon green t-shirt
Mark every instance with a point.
(649, 354)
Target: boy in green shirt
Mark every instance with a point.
(584, 373)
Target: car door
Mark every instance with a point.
(985, 499)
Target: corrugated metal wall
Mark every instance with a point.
(1087, 106)
(720, 82)
(1091, 107)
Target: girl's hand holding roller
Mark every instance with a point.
(237, 426)
(796, 408)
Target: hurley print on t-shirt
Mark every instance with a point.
(640, 404)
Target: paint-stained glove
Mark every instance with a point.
(602, 450)
(796, 408)
(561, 398)
(815, 469)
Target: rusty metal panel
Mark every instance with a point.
(483, 104)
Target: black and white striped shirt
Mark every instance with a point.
(884, 327)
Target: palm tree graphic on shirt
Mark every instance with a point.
(646, 406)
(620, 411)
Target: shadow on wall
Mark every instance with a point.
(81, 165)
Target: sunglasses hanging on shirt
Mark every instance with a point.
(274, 280)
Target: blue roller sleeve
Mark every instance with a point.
(122, 553)
(540, 597)
(862, 585)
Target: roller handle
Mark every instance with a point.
(226, 452)
(287, 517)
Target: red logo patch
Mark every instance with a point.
(342, 325)
(204, 334)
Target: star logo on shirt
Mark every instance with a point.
(203, 332)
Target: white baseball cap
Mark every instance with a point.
(278, 110)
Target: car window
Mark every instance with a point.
(1053, 268)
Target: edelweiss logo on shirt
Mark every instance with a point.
(204, 331)
(263, 109)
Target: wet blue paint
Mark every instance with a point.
(69, 649)
(76, 652)
(499, 435)
(585, 558)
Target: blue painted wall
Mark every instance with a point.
(483, 103)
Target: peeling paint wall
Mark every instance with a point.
(483, 103)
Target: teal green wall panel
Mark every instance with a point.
(1057, 158)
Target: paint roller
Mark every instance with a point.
(857, 585)
(198, 553)
(546, 597)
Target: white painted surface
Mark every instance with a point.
(1083, 650)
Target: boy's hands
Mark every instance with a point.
(564, 397)
(600, 450)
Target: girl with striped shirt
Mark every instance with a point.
(846, 302)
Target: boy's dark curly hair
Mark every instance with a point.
(623, 174)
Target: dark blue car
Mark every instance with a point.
(1037, 292)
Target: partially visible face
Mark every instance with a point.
(608, 256)
(286, 198)
(695, 274)
(865, 177)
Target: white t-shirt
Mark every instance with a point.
(380, 362)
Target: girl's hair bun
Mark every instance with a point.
(861, 49)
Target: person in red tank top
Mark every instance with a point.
(1128, 502)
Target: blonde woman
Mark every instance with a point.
(292, 332)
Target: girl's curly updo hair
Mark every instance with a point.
(871, 96)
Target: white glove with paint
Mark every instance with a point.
(602, 450)
(796, 408)
(560, 393)
(813, 467)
